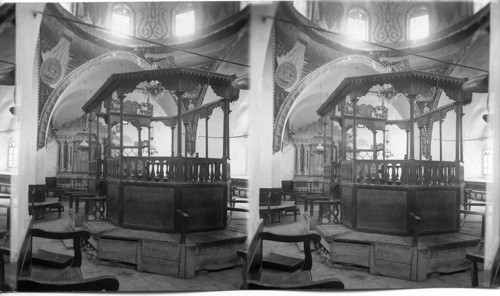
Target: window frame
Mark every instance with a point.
(131, 29)
(367, 24)
(12, 155)
(179, 9)
(409, 16)
(487, 162)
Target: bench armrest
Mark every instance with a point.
(305, 238)
(329, 284)
(75, 235)
(96, 284)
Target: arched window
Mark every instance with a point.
(357, 24)
(12, 155)
(418, 23)
(301, 6)
(487, 162)
(184, 20)
(121, 20)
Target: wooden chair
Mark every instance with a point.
(259, 275)
(476, 259)
(38, 201)
(44, 278)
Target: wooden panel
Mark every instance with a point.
(392, 260)
(160, 266)
(118, 250)
(218, 257)
(447, 261)
(275, 197)
(149, 207)
(346, 205)
(113, 194)
(205, 207)
(381, 210)
(438, 209)
(161, 250)
(356, 254)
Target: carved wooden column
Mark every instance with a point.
(343, 145)
(354, 127)
(139, 129)
(121, 97)
(383, 143)
(458, 112)
(441, 139)
(407, 143)
(332, 142)
(461, 133)
(179, 122)
(374, 144)
(172, 128)
(324, 141)
(420, 128)
(108, 114)
(90, 135)
(206, 134)
(149, 139)
(98, 147)
(412, 127)
(186, 138)
(225, 151)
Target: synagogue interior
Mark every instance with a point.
(207, 146)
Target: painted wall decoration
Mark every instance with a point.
(93, 12)
(153, 21)
(329, 13)
(55, 61)
(297, 53)
(388, 18)
(75, 51)
(215, 10)
(290, 65)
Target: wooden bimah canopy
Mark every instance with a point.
(382, 193)
(145, 191)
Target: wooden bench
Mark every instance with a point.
(262, 272)
(476, 259)
(41, 276)
(271, 205)
(39, 202)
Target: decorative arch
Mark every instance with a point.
(44, 118)
(279, 122)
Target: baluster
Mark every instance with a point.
(398, 173)
(161, 173)
(218, 175)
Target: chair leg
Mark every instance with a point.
(474, 275)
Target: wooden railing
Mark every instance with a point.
(97, 168)
(335, 170)
(402, 172)
(168, 169)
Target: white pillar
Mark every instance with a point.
(260, 109)
(27, 26)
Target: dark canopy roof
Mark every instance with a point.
(407, 82)
(175, 79)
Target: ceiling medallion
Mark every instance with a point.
(286, 75)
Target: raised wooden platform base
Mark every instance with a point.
(161, 253)
(394, 256)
